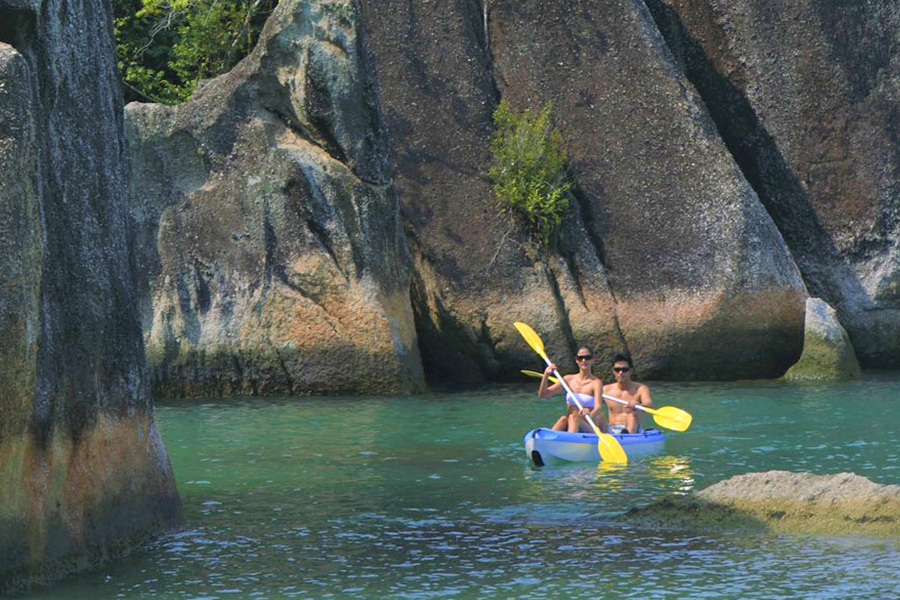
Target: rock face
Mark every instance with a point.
(827, 352)
(807, 96)
(728, 155)
(782, 501)
(703, 284)
(635, 269)
(83, 472)
(268, 223)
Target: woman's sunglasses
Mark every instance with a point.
(584, 357)
(621, 369)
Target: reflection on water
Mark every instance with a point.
(675, 469)
(354, 499)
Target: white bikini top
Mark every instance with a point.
(586, 400)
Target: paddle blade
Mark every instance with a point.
(533, 339)
(538, 375)
(610, 449)
(672, 418)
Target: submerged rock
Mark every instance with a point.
(269, 231)
(786, 502)
(827, 351)
(84, 475)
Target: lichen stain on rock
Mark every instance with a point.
(72, 504)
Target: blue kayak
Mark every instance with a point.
(545, 446)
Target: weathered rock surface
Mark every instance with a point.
(827, 351)
(842, 504)
(704, 286)
(707, 291)
(474, 274)
(807, 97)
(268, 223)
(83, 473)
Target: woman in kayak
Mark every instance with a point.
(588, 389)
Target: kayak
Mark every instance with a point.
(543, 445)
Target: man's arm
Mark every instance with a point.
(644, 397)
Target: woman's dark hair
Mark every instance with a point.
(584, 347)
(621, 357)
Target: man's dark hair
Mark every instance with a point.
(621, 357)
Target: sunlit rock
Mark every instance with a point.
(842, 504)
(806, 96)
(268, 226)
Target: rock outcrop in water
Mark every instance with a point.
(843, 504)
(827, 352)
(83, 473)
(807, 97)
(268, 224)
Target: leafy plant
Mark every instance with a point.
(528, 171)
(165, 47)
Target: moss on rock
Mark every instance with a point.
(827, 351)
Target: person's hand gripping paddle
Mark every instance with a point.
(609, 447)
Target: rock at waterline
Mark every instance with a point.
(827, 351)
(782, 501)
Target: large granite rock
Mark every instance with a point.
(83, 473)
(667, 251)
(268, 223)
(827, 351)
(842, 504)
(703, 283)
(807, 96)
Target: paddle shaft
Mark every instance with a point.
(569, 392)
(637, 406)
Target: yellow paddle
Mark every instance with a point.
(665, 416)
(609, 447)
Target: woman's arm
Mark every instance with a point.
(597, 414)
(546, 391)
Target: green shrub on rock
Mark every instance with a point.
(528, 171)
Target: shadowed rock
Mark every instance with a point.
(807, 97)
(827, 351)
(268, 223)
(666, 251)
(842, 504)
(474, 273)
(83, 473)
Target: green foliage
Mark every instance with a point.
(529, 168)
(165, 47)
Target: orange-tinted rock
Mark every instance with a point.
(268, 224)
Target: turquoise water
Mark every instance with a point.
(433, 497)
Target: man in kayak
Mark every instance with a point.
(625, 419)
(587, 388)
